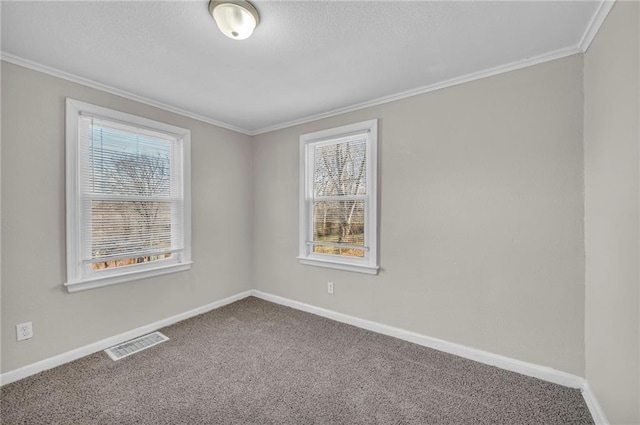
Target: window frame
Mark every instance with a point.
(369, 263)
(76, 278)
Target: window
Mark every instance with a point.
(338, 199)
(128, 197)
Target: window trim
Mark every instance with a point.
(75, 282)
(368, 264)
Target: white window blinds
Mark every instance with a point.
(131, 194)
(339, 196)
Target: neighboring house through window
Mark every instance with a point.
(128, 197)
(338, 198)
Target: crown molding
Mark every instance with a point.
(592, 29)
(16, 60)
(595, 24)
(535, 60)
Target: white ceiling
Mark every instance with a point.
(305, 59)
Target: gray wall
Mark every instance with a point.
(481, 231)
(611, 87)
(33, 225)
(481, 218)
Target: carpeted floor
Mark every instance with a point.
(260, 363)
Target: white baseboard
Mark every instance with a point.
(77, 353)
(594, 407)
(525, 368)
(518, 366)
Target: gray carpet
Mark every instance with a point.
(260, 363)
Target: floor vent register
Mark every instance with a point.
(136, 345)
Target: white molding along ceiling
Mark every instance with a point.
(306, 60)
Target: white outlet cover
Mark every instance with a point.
(24, 331)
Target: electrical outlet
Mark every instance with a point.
(330, 287)
(24, 331)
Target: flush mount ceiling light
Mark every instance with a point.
(236, 18)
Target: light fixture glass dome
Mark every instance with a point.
(236, 18)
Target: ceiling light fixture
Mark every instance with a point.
(236, 18)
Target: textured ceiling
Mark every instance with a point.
(304, 59)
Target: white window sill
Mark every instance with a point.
(351, 267)
(83, 285)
